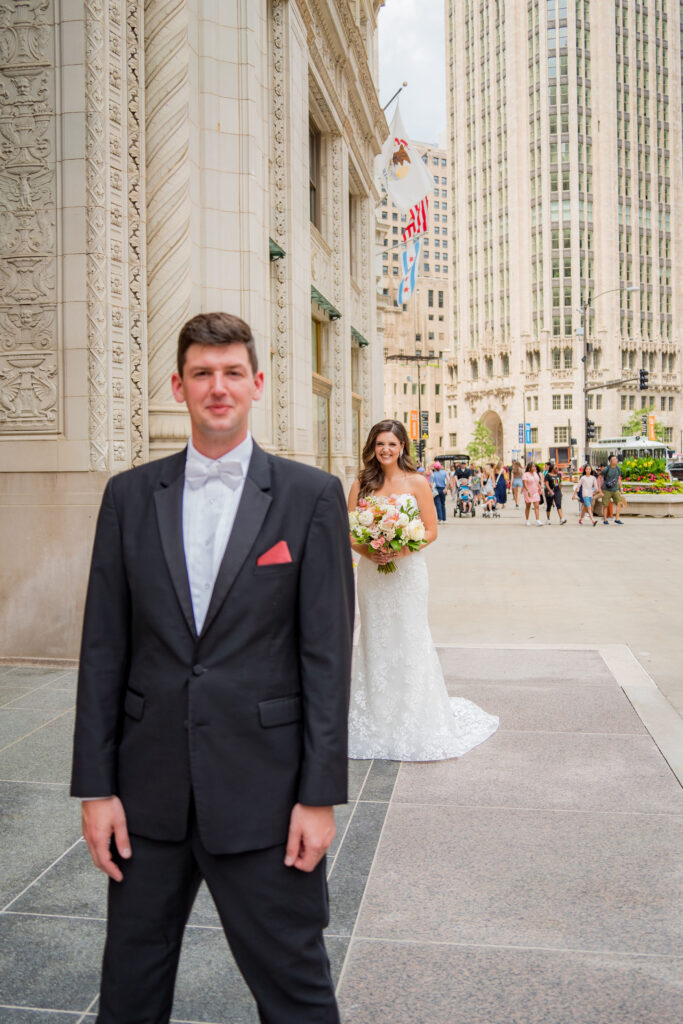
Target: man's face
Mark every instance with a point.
(218, 387)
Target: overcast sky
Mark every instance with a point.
(412, 48)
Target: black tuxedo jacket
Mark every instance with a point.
(250, 716)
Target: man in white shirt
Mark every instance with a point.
(213, 693)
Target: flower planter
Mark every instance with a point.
(658, 505)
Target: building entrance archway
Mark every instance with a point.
(493, 423)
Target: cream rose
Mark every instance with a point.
(366, 517)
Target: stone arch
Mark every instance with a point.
(492, 421)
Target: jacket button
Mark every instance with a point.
(186, 724)
(198, 670)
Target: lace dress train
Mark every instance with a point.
(400, 708)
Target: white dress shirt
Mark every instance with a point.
(208, 517)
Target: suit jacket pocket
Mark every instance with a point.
(276, 569)
(134, 704)
(280, 711)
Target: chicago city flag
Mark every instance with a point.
(400, 168)
(410, 257)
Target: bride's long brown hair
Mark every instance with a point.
(371, 476)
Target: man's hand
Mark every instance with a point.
(103, 819)
(311, 830)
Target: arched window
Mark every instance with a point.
(556, 359)
(475, 369)
(567, 359)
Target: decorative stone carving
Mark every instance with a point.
(28, 321)
(339, 330)
(96, 232)
(169, 283)
(279, 305)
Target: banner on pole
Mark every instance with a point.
(400, 168)
(410, 257)
(414, 425)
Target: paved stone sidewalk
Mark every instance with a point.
(537, 879)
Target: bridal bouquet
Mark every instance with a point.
(385, 524)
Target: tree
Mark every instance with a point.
(634, 425)
(481, 447)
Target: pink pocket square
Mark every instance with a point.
(277, 555)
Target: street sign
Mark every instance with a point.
(424, 424)
(414, 425)
(521, 433)
(527, 433)
(651, 427)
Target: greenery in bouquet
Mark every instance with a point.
(385, 524)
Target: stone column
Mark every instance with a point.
(169, 279)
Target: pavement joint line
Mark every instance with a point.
(538, 810)
(42, 1009)
(367, 882)
(561, 950)
(33, 731)
(42, 874)
(58, 917)
(575, 732)
(35, 782)
(86, 1013)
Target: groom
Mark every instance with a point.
(212, 698)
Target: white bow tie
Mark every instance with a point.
(197, 473)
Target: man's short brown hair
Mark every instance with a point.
(216, 329)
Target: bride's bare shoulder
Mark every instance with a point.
(418, 484)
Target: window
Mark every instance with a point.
(623, 401)
(662, 404)
(440, 300)
(505, 365)
(533, 435)
(567, 359)
(560, 435)
(598, 401)
(452, 440)
(437, 417)
(557, 401)
(568, 401)
(314, 174)
(430, 297)
(556, 359)
(631, 401)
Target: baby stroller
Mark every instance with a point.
(465, 501)
(490, 504)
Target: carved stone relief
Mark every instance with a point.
(28, 319)
(279, 287)
(340, 329)
(167, 126)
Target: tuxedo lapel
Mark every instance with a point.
(251, 512)
(169, 507)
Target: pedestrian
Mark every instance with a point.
(531, 485)
(475, 483)
(438, 481)
(488, 490)
(552, 483)
(586, 491)
(211, 715)
(611, 491)
(517, 472)
(500, 484)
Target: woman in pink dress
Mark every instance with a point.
(531, 486)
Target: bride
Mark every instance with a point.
(400, 709)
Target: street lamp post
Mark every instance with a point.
(584, 320)
(419, 361)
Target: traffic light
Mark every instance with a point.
(642, 380)
(590, 430)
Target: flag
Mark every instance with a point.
(410, 257)
(417, 224)
(400, 168)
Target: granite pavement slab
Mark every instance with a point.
(410, 983)
(603, 882)
(553, 707)
(16, 723)
(526, 667)
(45, 756)
(573, 771)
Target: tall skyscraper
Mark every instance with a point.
(565, 148)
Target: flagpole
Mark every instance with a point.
(395, 95)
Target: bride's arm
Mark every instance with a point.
(425, 503)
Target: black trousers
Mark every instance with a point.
(273, 919)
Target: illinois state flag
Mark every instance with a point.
(410, 257)
(400, 168)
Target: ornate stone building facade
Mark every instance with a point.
(160, 158)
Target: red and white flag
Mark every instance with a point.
(417, 222)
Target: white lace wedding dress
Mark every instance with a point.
(400, 708)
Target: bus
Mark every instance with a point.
(636, 447)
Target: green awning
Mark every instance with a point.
(321, 301)
(276, 251)
(358, 337)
